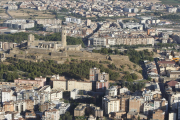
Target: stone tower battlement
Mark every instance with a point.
(63, 37)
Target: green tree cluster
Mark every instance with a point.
(112, 66)
(133, 86)
(129, 77)
(64, 10)
(78, 70)
(138, 56)
(134, 56)
(160, 45)
(37, 27)
(171, 16)
(66, 116)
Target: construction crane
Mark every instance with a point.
(175, 59)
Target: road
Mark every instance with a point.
(10, 17)
(85, 40)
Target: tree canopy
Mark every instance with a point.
(134, 56)
(77, 70)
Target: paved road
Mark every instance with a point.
(10, 17)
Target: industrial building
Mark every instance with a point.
(18, 24)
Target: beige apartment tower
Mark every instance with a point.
(93, 75)
(63, 37)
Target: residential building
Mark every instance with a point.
(20, 106)
(102, 85)
(117, 115)
(74, 20)
(73, 93)
(93, 75)
(173, 74)
(158, 115)
(112, 91)
(172, 116)
(71, 84)
(46, 106)
(80, 85)
(63, 108)
(148, 108)
(173, 100)
(100, 42)
(103, 76)
(30, 115)
(8, 106)
(134, 104)
(52, 114)
(39, 81)
(124, 102)
(6, 95)
(49, 21)
(172, 9)
(110, 104)
(95, 111)
(124, 90)
(56, 94)
(59, 84)
(18, 24)
(29, 105)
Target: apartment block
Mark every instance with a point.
(18, 24)
(82, 108)
(103, 76)
(40, 81)
(124, 102)
(63, 108)
(30, 115)
(52, 114)
(172, 116)
(124, 90)
(49, 21)
(73, 93)
(80, 85)
(93, 75)
(74, 20)
(110, 104)
(59, 82)
(29, 104)
(100, 42)
(135, 104)
(123, 40)
(8, 106)
(173, 74)
(158, 115)
(102, 85)
(56, 95)
(6, 95)
(112, 91)
(148, 107)
(20, 106)
(46, 106)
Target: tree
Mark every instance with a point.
(134, 76)
(104, 50)
(149, 78)
(116, 51)
(66, 116)
(139, 118)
